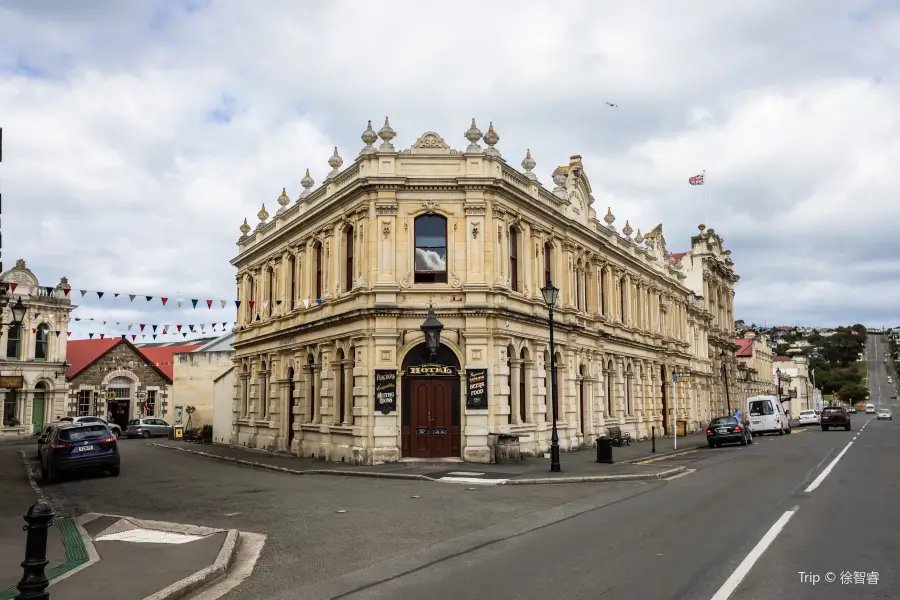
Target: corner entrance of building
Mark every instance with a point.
(430, 410)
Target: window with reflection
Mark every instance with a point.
(14, 342)
(42, 342)
(548, 260)
(514, 259)
(318, 259)
(431, 249)
(348, 251)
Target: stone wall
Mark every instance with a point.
(195, 373)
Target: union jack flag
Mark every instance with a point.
(696, 180)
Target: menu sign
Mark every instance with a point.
(12, 382)
(431, 370)
(476, 388)
(385, 391)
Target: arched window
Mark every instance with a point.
(578, 286)
(252, 301)
(514, 259)
(318, 259)
(548, 261)
(271, 285)
(341, 386)
(431, 249)
(263, 407)
(603, 291)
(609, 389)
(42, 342)
(245, 391)
(291, 291)
(348, 251)
(14, 342)
(622, 292)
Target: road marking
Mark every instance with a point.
(149, 536)
(732, 583)
(818, 481)
(800, 430)
(647, 462)
(464, 474)
(472, 480)
(687, 472)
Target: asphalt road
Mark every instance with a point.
(879, 389)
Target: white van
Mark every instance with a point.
(767, 416)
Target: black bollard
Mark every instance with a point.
(33, 585)
(653, 438)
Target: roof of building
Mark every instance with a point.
(746, 347)
(676, 256)
(227, 371)
(180, 343)
(80, 354)
(220, 344)
(781, 358)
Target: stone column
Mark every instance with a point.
(515, 373)
(347, 374)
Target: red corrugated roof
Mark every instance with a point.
(80, 354)
(746, 347)
(781, 358)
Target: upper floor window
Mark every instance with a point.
(514, 259)
(318, 259)
(14, 342)
(348, 243)
(291, 290)
(548, 261)
(622, 292)
(42, 342)
(431, 249)
(271, 285)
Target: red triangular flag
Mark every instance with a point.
(33, 330)
(143, 325)
(66, 291)
(101, 335)
(164, 331)
(179, 328)
(252, 302)
(164, 300)
(115, 295)
(209, 304)
(133, 337)
(12, 286)
(68, 334)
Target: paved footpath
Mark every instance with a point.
(633, 462)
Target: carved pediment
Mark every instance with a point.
(431, 143)
(20, 274)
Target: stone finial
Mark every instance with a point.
(473, 134)
(387, 133)
(491, 138)
(307, 182)
(245, 228)
(638, 238)
(560, 175)
(701, 227)
(335, 163)
(528, 164)
(627, 230)
(283, 200)
(609, 218)
(369, 137)
(263, 214)
(728, 253)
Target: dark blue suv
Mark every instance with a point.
(77, 446)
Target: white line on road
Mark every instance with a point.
(472, 480)
(818, 481)
(732, 583)
(149, 536)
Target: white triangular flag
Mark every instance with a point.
(224, 303)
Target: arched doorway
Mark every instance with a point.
(290, 407)
(119, 392)
(430, 406)
(39, 407)
(665, 399)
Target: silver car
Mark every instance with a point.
(885, 414)
(147, 428)
(115, 429)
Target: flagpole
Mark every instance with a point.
(705, 213)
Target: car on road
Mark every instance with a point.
(767, 415)
(852, 410)
(116, 430)
(78, 447)
(885, 414)
(727, 430)
(835, 416)
(870, 409)
(808, 417)
(147, 428)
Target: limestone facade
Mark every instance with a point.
(34, 352)
(335, 288)
(195, 373)
(755, 375)
(795, 383)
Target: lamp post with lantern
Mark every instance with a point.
(432, 330)
(551, 293)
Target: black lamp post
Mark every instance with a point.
(778, 383)
(725, 376)
(432, 330)
(550, 293)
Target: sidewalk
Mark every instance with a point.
(577, 467)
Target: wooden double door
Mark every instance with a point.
(433, 430)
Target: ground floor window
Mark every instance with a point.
(151, 403)
(84, 403)
(11, 409)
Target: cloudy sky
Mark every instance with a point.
(138, 135)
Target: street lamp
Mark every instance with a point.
(432, 330)
(778, 383)
(550, 293)
(18, 312)
(725, 376)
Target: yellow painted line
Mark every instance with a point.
(799, 430)
(647, 462)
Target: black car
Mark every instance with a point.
(727, 430)
(835, 416)
(75, 447)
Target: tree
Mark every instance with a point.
(852, 393)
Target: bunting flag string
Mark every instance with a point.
(190, 326)
(164, 300)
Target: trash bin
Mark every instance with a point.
(507, 449)
(604, 450)
(682, 428)
(178, 432)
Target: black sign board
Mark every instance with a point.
(431, 370)
(385, 391)
(476, 388)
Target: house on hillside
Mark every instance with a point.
(114, 378)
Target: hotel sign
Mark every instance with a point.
(431, 370)
(12, 382)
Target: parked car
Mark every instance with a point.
(78, 446)
(835, 416)
(885, 414)
(852, 410)
(116, 430)
(727, 430)
(147, 428)
(808, 417)
(870, 409)
(767, 415)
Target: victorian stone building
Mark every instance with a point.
(330, 358)
(32, 363)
